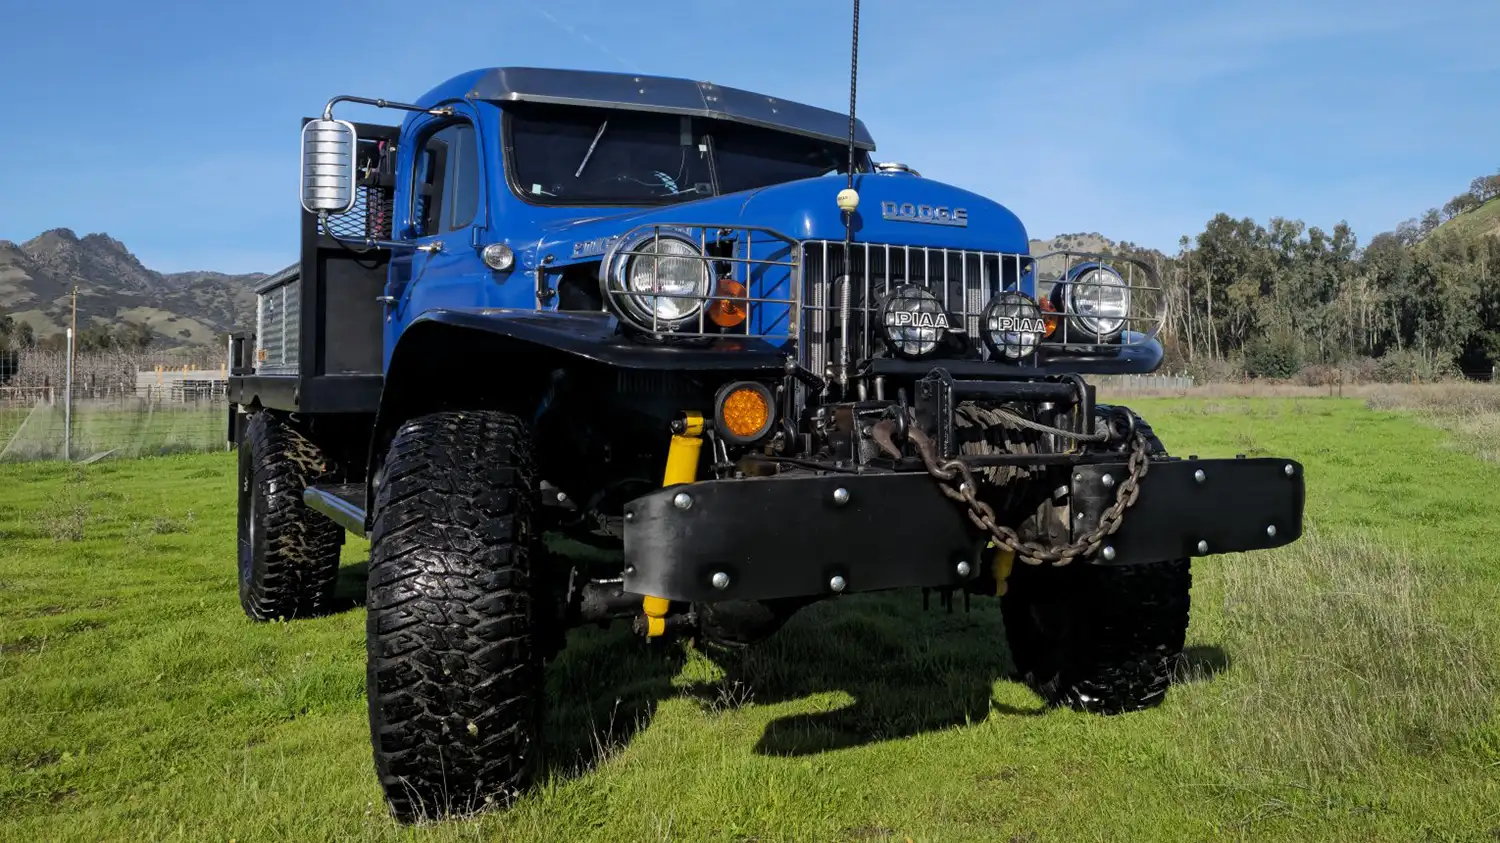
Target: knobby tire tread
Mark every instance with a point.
(454, 675)
(292, 573)
(1097, 638)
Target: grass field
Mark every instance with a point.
(1343, 688)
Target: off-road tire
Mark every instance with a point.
(1098, 638)
(288, 554)
(454, 677)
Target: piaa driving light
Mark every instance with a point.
(661, 281)
(1098, 300)
(1013, 325)
(913, 321)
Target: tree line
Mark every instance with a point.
(1420, 302)
(124, 337)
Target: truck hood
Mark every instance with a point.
(894, 208)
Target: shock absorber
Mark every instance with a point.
(682, 467)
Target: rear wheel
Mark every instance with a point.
(454, 678)
(1099, 638)
(288, 554)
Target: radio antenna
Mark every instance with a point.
(853, 89)
(848, 201)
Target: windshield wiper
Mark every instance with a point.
(590, 154)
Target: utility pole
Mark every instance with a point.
(68, 393)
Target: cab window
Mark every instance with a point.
(446, 184)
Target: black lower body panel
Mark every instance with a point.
(768, 538)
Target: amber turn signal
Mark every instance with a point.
(744, 412)
(1049, 316)
(728, 310)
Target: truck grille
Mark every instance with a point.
(964, 281)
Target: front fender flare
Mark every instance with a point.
(496, 358)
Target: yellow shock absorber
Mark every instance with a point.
(682, 467)
(1004, 559)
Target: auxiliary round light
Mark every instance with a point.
(913, 321)
(743, 412)
(1013, 325)
(498, 256)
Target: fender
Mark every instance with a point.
(496, 358)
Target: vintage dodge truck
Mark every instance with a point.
(707, 328)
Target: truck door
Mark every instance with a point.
(445, 191)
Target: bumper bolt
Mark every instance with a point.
(721, 580)
(964, 569)
(1271, 531)
(1290, 470)
(683, 500)
(1199, 475)
(840, 496)
(1202, 547)
(1108, 480)
(1109, 552)
(837, 583)
(630, 516)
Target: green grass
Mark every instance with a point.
(1340, 689)
(1475, 224)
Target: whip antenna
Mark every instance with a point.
(848, 200)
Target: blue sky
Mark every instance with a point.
(173, 126)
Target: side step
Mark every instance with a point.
(344, 503)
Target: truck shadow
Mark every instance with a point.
(889, 670)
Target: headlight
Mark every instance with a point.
(913, 321)
(668, 266)
(1013, 325)
(1099, 300)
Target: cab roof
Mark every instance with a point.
(638, 92)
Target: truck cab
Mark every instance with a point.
(704, 329)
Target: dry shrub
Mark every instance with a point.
(1345, 662)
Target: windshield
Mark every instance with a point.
(572, 155)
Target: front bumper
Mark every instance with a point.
(805, 536)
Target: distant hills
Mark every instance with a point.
(181, 309)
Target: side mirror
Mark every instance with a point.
(328, 166)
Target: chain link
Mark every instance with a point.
(967, 492)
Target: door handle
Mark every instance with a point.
(431, 248)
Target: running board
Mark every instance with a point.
(344, 504)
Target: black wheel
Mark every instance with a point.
(454, 677)
(288, 554)
(1099, 638)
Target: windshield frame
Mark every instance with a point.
(700, 132)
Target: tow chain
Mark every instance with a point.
(983, 516)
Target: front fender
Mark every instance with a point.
(503, 359)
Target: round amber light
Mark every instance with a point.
(745, 413)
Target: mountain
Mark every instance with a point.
(184, 308)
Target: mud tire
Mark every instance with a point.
(1096, 638)
(288, 554)
(454, 676)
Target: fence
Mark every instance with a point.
(124, 423)
(1141, 384)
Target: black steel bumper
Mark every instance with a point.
(818, 535)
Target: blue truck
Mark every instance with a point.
(706, 330)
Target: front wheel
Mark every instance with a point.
(454, 677)
(1099, 638)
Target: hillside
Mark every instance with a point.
(1470, 226)
(186, 308)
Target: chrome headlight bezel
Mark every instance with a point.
(923, 327)
(1013, 335)
(642, 308)
(1076, 287)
